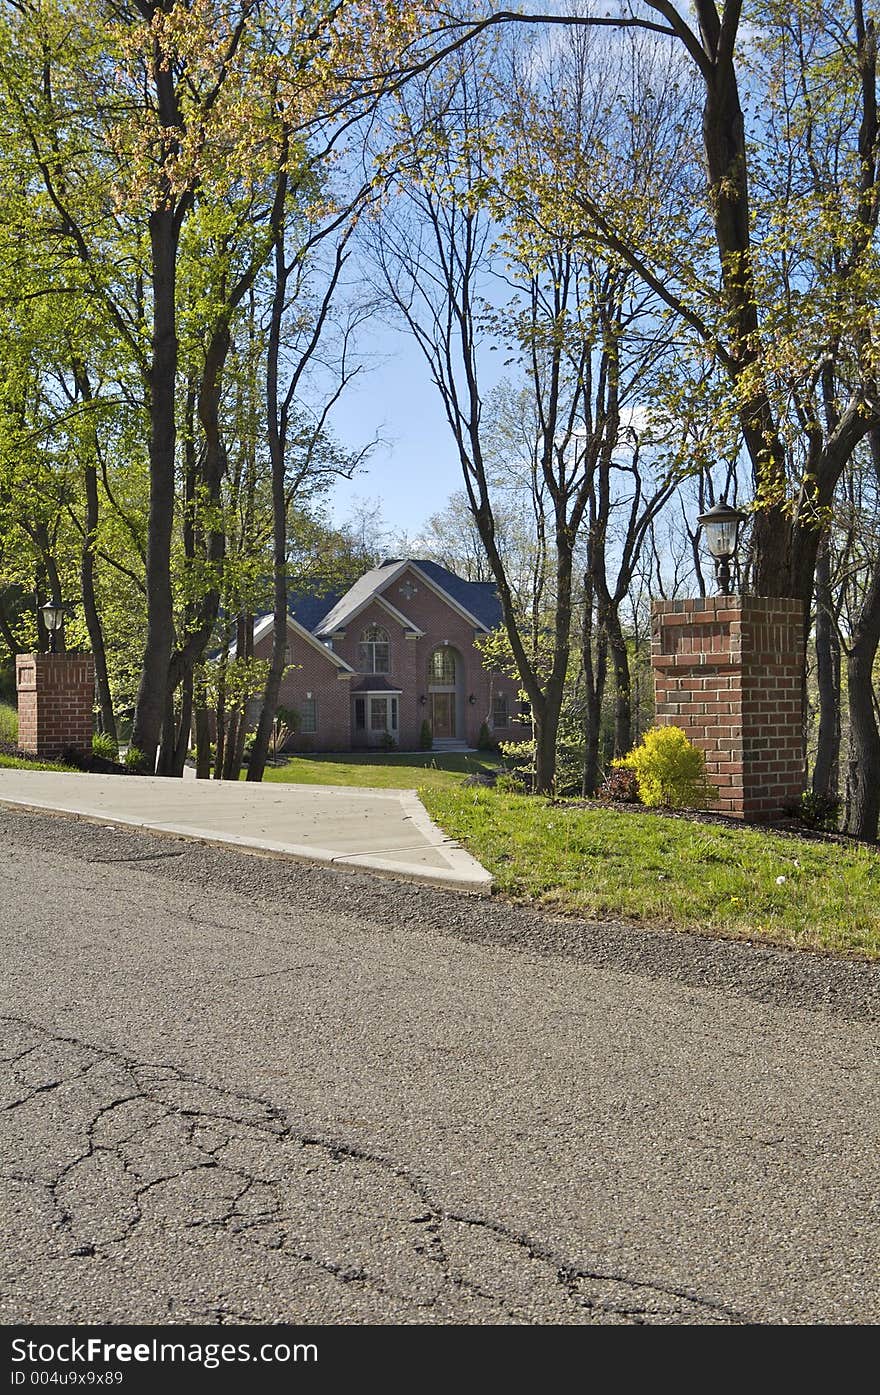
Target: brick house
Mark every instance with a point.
(396, 650)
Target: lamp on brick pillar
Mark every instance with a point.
(56, 695)
(721, 528)
(53, 619)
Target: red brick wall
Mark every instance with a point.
(310, 672)
(728, 670)
(56, 696)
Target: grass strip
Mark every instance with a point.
(667, 872)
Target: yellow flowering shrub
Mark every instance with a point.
(670, 770)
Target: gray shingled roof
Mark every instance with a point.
(365, 587)
(310, 610)
(478, 597)
(322, 614)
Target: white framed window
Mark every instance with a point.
(375, 651)
(360, 714)
(309, 716)
(500, 714)
(383, 714)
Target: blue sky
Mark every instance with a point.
(414, 468)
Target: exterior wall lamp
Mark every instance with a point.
(422, 700)
(53, 619)
(721, 530)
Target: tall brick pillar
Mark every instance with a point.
(56, 696)
(728, 670)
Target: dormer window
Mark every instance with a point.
(375, 653)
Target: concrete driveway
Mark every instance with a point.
(382, 830)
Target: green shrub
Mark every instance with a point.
(518, 756)
(519, 759)
(387, 742)
(509, 783)
(8, 724)
(426, 736)
(818, 811)
(670, 770)
(484, 739)
(104, 746)
(569, 778)
(134, 759)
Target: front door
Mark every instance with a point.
(443, 723)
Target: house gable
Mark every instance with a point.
(450, 600)
(357, 597)
(263, 633)
(383, 583)
(412, 587)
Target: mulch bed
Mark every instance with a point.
(786, 827)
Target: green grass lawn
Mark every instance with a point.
(8, 723)
(666, 872)
(13, 763)
(383, 770)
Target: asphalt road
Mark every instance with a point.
(243, 1090)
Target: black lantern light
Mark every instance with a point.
(53, 619)
(721, 529)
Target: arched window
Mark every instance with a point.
(441, 668)
(375, 655)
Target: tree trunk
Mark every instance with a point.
(622, 685)
(6, 631)
(87, 575)
(863, 804)
(203, 730)
(221, 719)
(276, 439)
(546, 733)
(595, 671)
(863, 792)
(241, 737)
(826, 771)
(184, 724)
(237, 730)
(90, 606)
(152, 690)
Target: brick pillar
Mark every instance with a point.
(56, 696)
(728, 670)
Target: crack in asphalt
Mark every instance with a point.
(159, 1150)
(136, 857)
